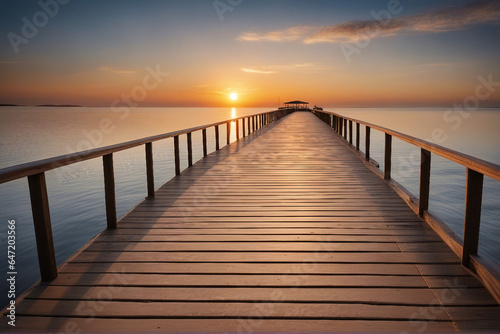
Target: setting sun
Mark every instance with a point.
(233, 96)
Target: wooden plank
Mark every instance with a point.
(235, 310)
(454, 296)
(452, 282)
(473, 313)
(246, 325)
(252, 257)
(244, 268)
(210, 278)
(272, 231)
(378, 296)
(243, 246)
(261, 238)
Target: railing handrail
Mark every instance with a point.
(35, 173)
(467, 248)
(19, 171)
(484, 167)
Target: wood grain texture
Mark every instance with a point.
(284, 230)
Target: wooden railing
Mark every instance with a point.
(35, 172)
(467, 248)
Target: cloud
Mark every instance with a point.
(435, 20)
(112, 70)
(354, 31)
(252, 70)
(285, 35)
(284, 68)
(457, 18)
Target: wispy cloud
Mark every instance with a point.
(435, 20)
(284, 35)
(117, 71)
(257, 71)
(354, 31)
(284, 68)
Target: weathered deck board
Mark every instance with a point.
(288, 232)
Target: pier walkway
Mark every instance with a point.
(284, 230)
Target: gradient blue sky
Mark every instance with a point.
(430, 53)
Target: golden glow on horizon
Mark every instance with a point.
(233, 96)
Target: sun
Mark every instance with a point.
(233, 96)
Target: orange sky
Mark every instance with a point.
(93, 54)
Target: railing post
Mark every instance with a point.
(190, 149)
(43, 228)
(387, 156)
(367, 144)
(216, 137)
(249, 125)
(357, 136)
(425, 181)
(237, 122)
(345, 128)
(204, 135)
(350, 132)
(177, 156)
(109, 190)
(341, 122)
(473, 198)
(149, 170)
(228, 133)
(243, 127)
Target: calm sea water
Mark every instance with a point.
(76, 192)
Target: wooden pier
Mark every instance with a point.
(287, 230)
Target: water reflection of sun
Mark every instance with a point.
(233, 113)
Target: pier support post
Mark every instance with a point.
(216, 137)
(150, 170)
(228, 133)
(204, 139)
(237, 129)
(367, 144)
(43, 227)
(345, 128)
(387, 156)
(177, 156)
(357, 136)
(190, 149)
(350, 132)
(425, 181)
(109, 190)
(473, 199)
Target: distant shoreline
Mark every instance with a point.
(42, 105)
